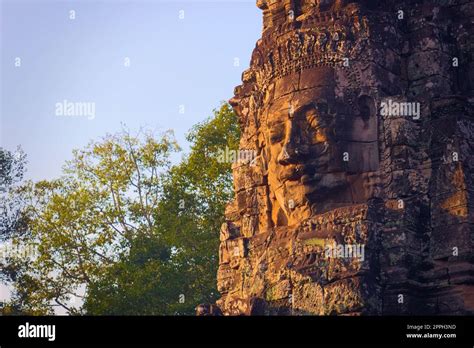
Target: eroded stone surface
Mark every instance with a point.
(333, 170)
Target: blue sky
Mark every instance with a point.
(174, 62)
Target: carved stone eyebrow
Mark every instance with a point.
(304, 108)
(278, 117)
(275, 123)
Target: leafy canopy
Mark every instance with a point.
(123, 231)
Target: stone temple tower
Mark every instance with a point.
(360, 196)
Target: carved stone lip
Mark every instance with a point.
(306, 179)
(306, 175)
(292, 173)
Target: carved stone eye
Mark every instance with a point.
(322, 107)
(277, 133)
(276, 136)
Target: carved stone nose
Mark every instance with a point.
(284, 156)
(288, 154)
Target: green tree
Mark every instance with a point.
(123, 232)
(85, 221)
(189, 217)
(12, 169)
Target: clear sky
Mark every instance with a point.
(193, 59)
(177, 64)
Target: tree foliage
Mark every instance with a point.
(123, 231)
(12, 169)
(189, 217)
(85, 221)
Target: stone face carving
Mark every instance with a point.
(347, 209)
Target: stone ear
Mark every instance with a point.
(367, 109)
(322, 107)
(363, 138)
